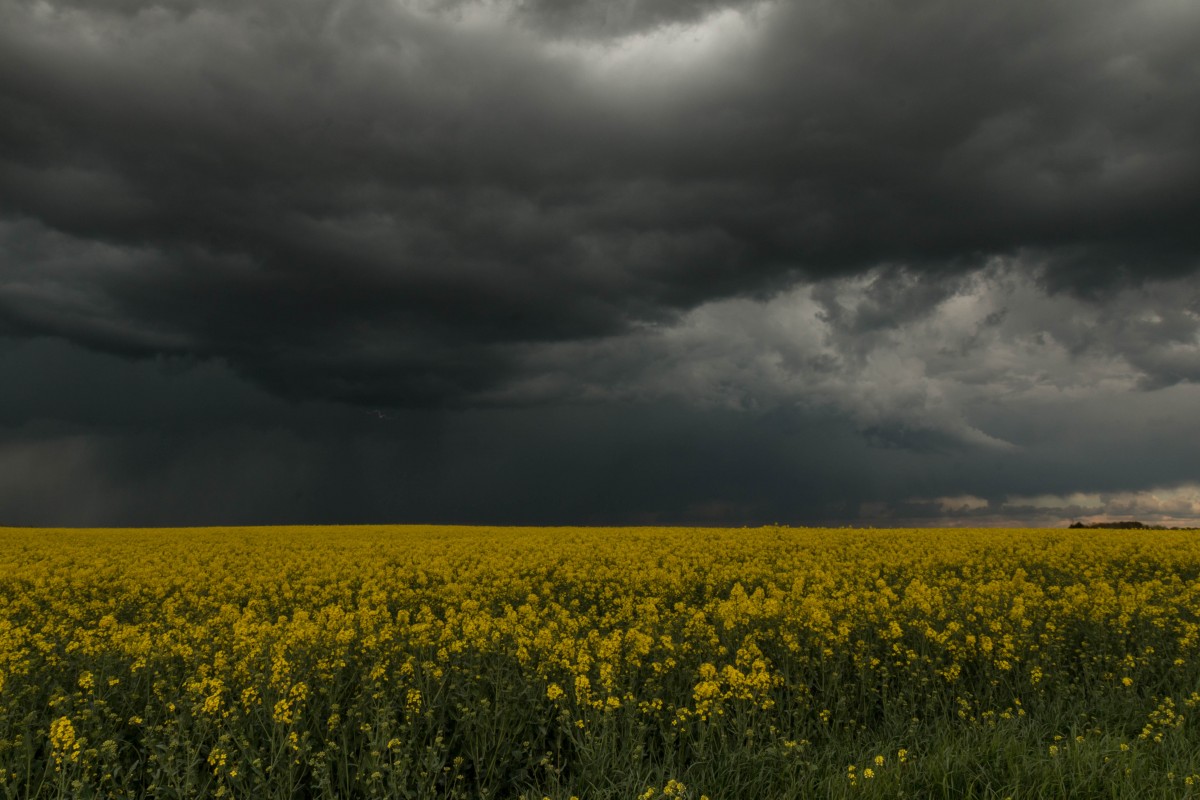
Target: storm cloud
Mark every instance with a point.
(471, 247)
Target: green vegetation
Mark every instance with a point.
(623, 663)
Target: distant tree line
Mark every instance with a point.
(1129, 525)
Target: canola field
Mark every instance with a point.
(456, 662)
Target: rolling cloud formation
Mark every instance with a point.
(889, 234)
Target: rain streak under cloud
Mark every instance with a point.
(599, 262)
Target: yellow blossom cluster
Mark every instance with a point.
(359, 656)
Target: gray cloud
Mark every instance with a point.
(590, 20)
(96, 439)
(204, 447)
(915, 362)
(680, 261)
(366, 200)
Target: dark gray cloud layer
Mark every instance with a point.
(856, 257)
(193, 444)
(369, 200)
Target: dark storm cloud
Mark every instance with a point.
(521, 261)
(968, 437)
(174, 443)
(390, 202)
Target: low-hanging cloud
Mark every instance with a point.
(915, 361)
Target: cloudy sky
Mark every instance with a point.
(844, 262)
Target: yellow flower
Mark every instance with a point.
(63, 744)
(674, 788)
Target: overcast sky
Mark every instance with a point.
(844, 262)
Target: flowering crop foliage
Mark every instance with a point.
(647, 662)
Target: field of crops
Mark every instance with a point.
(436, 662)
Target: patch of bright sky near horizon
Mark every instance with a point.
(1172, 506)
